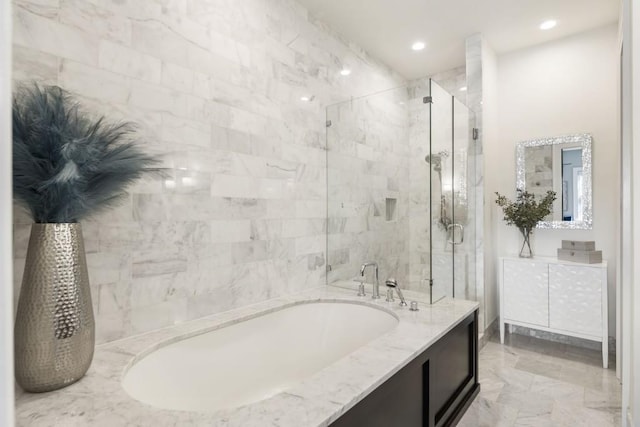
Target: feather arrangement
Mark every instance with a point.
(66, 165)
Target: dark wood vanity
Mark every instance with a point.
(433, 390)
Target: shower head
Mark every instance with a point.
(436, 159)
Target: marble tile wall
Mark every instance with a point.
(474, 94)
(368, 178)
(215, 87)
(377, 147)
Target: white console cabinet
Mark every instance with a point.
(566, 298)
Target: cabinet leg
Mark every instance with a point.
(605, 354)
(501, 332)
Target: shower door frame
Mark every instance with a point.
(450, 239)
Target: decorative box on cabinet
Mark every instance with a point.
(562, 297)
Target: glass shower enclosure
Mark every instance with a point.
(400, 190)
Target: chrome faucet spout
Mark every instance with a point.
(376, 283)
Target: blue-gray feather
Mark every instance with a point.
(67, 166)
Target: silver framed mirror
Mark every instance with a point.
(561, 164)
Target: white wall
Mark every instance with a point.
(6, 257)
(562, 87)
(489, 137)
(630, 271)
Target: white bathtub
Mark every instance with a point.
(254, 359)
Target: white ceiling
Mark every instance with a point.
(387, 28)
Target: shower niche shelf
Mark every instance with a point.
(391, 209)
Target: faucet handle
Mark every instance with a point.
(391, 282)
(360, 281)
(390, 295)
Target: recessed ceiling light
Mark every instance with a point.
(345, 72)
(418, 46)
(463, 88)
(547, 25)
(305, 99)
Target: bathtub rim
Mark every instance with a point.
(225, 324)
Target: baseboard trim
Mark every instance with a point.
(563, 339)
(488, 333)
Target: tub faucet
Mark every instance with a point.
(393, 284)
(376, 283)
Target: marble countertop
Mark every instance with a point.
(99, 399)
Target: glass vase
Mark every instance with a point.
(525, 250)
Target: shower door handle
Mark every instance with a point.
(451, 231)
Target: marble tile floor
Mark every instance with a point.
(533, 382)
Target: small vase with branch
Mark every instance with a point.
(525, 213)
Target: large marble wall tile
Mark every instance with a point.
(134, 9)
(93, 18)
(215, 89)
(49, 36)
(32, 65)
(179, 131)
(45, 8)
(158, 98)
(178, 77)
(124, 60)
(81, 78)
(154, 38)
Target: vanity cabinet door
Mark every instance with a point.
(526, 291)
(575, 298)
(433, 390)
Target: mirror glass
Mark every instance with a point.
(561, 164)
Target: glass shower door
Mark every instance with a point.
(440, 162)
(462, 236)
(452, 237)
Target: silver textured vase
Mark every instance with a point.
(55, 329)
